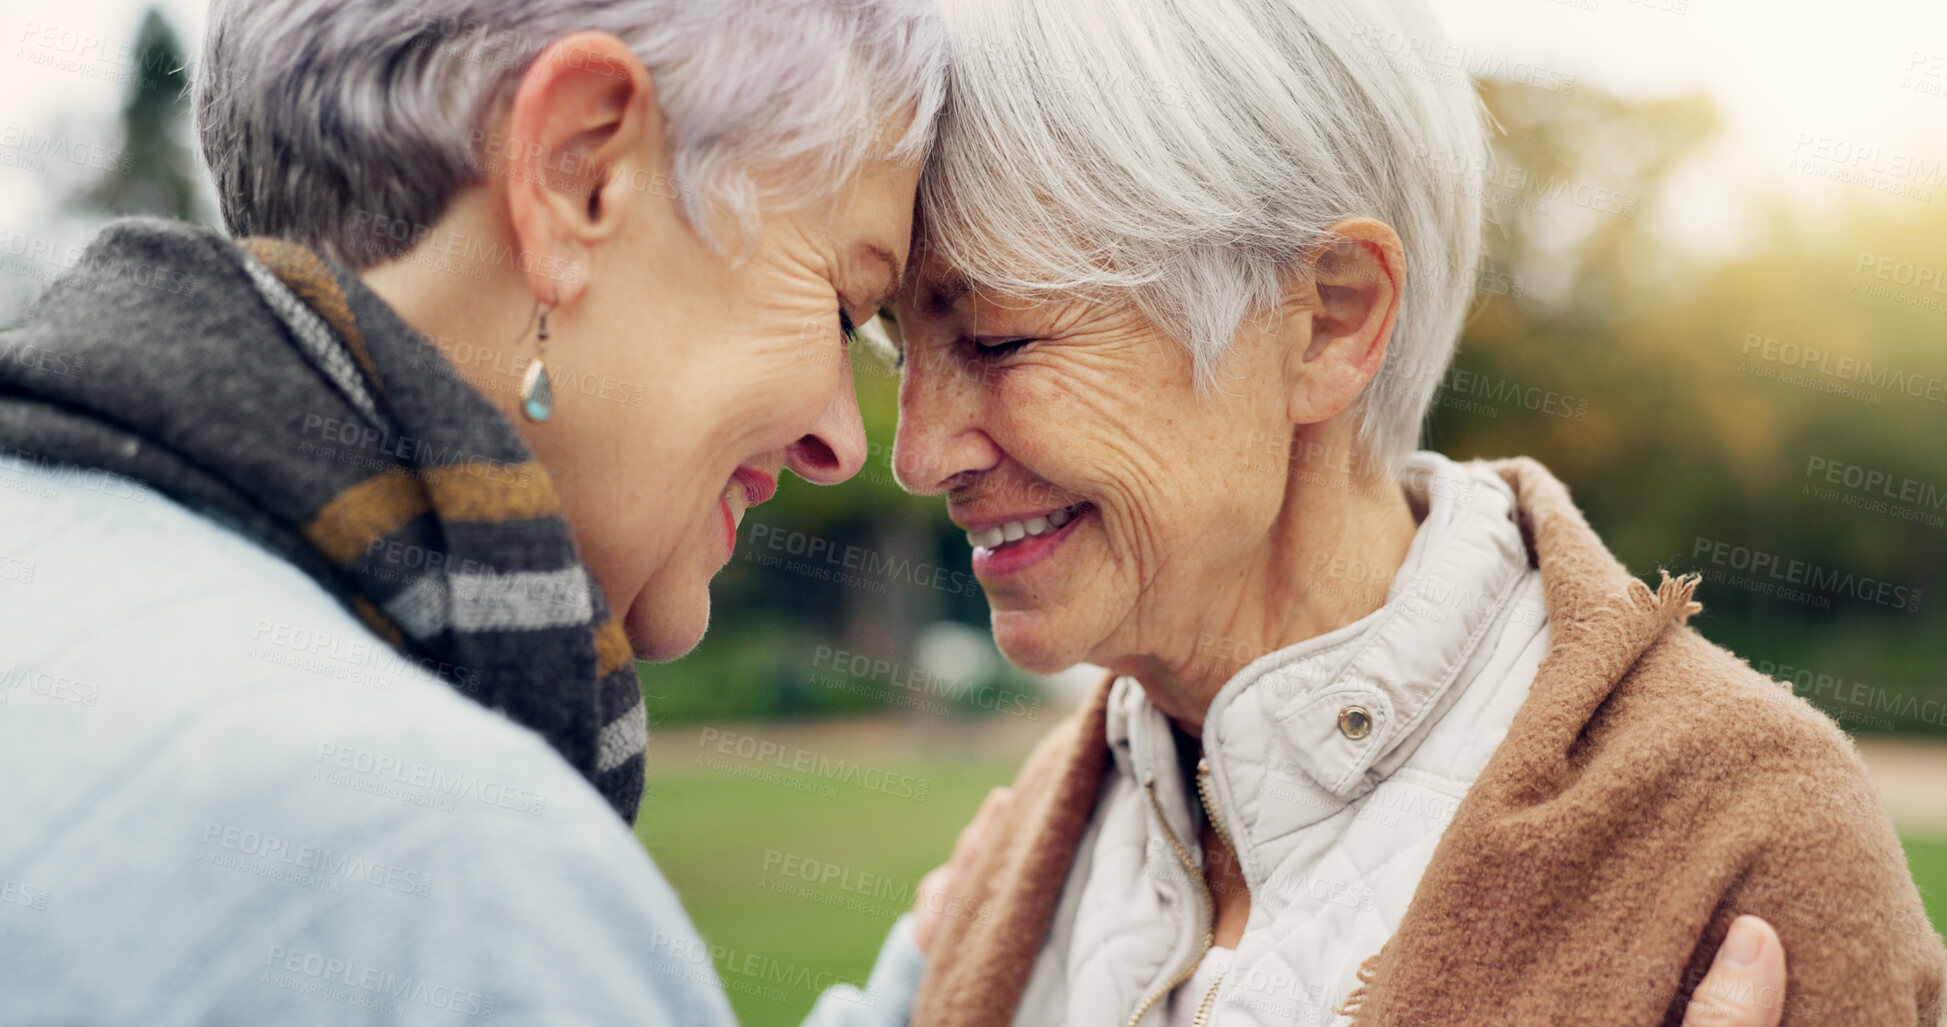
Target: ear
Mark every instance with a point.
(1340, 307)
(583, 126)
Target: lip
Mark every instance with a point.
(993, 564)
(729, 528)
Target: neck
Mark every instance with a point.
(469, 309)
(1328, 561)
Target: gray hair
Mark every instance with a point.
(330, 121)
(1186, 153)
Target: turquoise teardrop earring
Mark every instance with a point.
(537, 392)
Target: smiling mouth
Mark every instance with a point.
(1002, 536)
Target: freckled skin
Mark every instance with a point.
(1203, 525)
(1225, 518)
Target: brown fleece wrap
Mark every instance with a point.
(1016, 884)
(1652, 788)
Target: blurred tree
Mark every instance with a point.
(1697, 398)
(1601, 348)
(156, 173)
(1573, 184)
(1574, 181)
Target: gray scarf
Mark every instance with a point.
(268, 389)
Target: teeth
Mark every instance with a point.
(1015, 531)
(730, 500)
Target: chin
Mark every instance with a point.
(660, 630)
(1031, 642)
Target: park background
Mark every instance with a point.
(1713, 301)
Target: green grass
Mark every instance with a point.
(1927, 857)
(722, 839)
(723, 842)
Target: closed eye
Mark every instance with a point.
(997, 349)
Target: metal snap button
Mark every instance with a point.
(1355, 722)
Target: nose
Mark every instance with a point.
(834, 450)
(939, 439)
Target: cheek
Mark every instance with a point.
(782, 391)
(1177, 484)
(1064, 426)
(1118, 448)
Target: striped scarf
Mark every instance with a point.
(266, 387)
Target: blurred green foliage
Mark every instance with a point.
(1654, 381)
(1706, 418)
(156, 174)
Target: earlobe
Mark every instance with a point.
(582, 124)
(1342, 308)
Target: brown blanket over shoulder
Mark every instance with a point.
(1652, 788)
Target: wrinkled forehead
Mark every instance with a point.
(933, 284)
(930, 291)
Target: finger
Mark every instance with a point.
(936, 890)
(973, 838)
(1746, 983)
(927, 912)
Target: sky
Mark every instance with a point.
(1819, 99)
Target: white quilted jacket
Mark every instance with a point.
(1333, 826)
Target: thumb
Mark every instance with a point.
(1746, 983)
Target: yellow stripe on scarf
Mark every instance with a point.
(481, 490)
(612, 648)
(365, 513)
(380, 505)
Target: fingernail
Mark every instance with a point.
(1741, 948)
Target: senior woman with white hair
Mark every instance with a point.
(341, 539)
(536, 299)
(1389, 739)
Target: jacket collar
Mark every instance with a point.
(1399, 668)
(1602, 620)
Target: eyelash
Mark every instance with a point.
(999, 350)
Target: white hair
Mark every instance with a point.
(1186, 153)
(322, 118)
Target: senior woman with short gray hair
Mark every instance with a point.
(1389, 739)
(343, 536)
